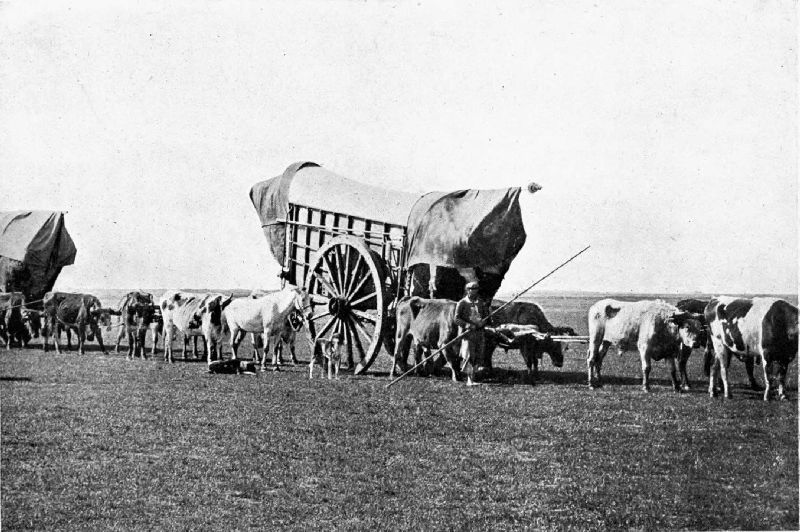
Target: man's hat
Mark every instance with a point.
(472, 284)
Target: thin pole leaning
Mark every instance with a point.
(418, 364)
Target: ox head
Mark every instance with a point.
(690, 328)
(209, 314)
(302, 303)
(554, 349)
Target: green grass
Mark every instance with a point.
(94, 442)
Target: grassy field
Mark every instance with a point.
(100, 442)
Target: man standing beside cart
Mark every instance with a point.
(471, 315)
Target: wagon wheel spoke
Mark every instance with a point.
(332, 275)
(317, 299)
(325, 284)
(346, 286)
(348, 339)
(364, 316)
(327, 327)
(365, 298)
(318, 316)
(360, 284)
(356, 339)
(341, 273)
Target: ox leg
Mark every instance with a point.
(277, 353)
(169, 333)
(781, 378)
(254, 337)
(646, 366)
(120, 334)
(236, 338)
(767, 369)
(724, 363)
(294, 356)
(594, 363)
(155, 342)
(401, 346)
(131, 339)
(749, 365)
(686, 351)
(81, 339)
(673, 374)
(267, 338)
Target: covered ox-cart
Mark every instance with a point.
(358, 249)
(34, 247)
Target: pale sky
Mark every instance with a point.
(664, 134)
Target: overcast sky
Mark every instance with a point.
(664, 134)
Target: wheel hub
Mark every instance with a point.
(338, 307)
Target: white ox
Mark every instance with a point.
(656, 328)
(266, 315)
(286, 336)
(195, 315)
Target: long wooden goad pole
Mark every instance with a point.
(445, 346)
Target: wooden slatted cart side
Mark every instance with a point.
(354, 269)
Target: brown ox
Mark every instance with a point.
(138, 313)
(12, 319)
(425, 324)
(763, 328)
(77, 312)
(656, 328)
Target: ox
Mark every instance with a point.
(530, 347)
(286, 336)
(137, 311)
(657, 329)
(12, 320)
(424, 324)
(696, 307)
(184, 311)
(78, 312)
(266, 315)
(763, 328)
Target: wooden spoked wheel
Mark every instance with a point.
(347, 285)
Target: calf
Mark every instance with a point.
(81, 313)
(326, 352)
(12, 321)
(531, 346)
(764, 328)
(657, 329)
(425, 324)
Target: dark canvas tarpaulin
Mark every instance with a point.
(466, 229)
(34, 246)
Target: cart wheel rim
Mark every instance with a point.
(347, 285)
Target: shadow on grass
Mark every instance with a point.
(15, 379)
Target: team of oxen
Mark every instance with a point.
(759, 331)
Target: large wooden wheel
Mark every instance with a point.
(347, 285)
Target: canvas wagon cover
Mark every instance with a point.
(460, 229)
(34, 246)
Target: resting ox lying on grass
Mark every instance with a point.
(656, 328)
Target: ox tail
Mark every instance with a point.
(708, 357)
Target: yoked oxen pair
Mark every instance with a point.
(195, 315)
(265, 315)
(82, 313)
(285, 336)
(523, 325)
(656, 328)
(138, 313)
(422, 325)
(763, 328)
